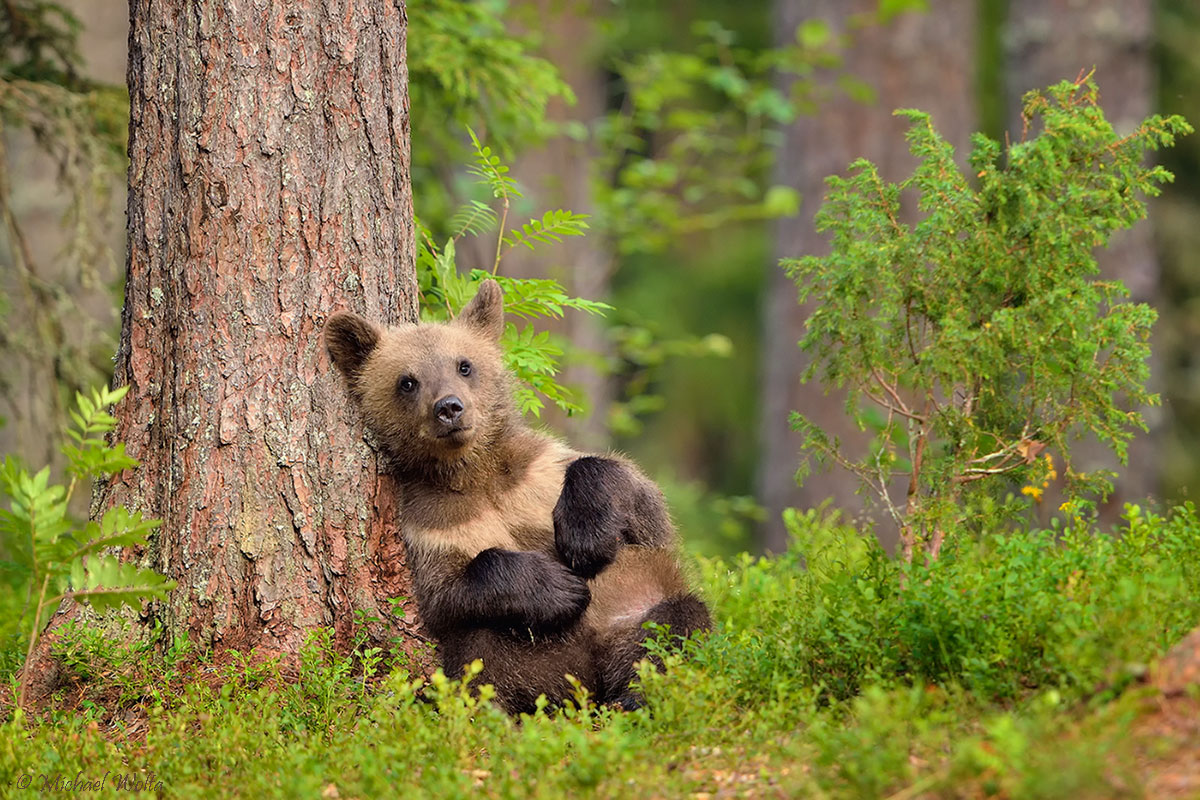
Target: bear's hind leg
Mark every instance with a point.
(521, 668)
(623, 649)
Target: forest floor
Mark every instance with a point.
(1027, 665)
(1169, 732)
(1164, 740)
(1169, 745)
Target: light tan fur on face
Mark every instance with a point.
(431, 355)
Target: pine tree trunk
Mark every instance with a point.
(1055, 40)
(921, 61)
(268, 188)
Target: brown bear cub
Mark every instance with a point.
(537, 559)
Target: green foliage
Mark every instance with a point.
(820, 680)
(39, 40)
(1028, 610)
(552, 227)
(642, 350)
(687, 151)
(696, 135)
(981, 335)
(531, 355)
(51, 558)
(81, 126)
(714, 524)
(467, 68)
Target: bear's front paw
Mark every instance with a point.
(524, 590)
(590, 517)
(563, 598)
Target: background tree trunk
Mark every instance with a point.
(63, 337)
(269, 187)
(1054, 40)
(1177, 239)
(924, 61)
(559, 175)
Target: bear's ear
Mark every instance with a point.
(485, 312)
(350, 339)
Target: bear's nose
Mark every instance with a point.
(448, 410)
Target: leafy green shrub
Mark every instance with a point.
(1073, 611)
(52, 558)
(981, 335)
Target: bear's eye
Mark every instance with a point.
(464, 368)
(407, 384)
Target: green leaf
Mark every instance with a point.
(552, 227)
(488, 168)
(473, 218)
(107, 583)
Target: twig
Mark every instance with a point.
(888, 388)
(500, 235)
(892, 409)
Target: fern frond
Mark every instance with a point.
(91, 454)
(542, 297)
(119, 527)
(105, 583)
(532, 356)
(491, 171)
(474, 218)
(552, 227)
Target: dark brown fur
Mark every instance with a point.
(537, 559)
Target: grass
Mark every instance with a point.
(1010, 668)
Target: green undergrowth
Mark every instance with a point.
(1008, 668)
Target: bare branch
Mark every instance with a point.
(891, 391)
(893, 409)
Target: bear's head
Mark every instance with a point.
(431, 393)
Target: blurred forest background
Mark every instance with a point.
(697, 134)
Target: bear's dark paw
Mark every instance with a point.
(590, 517)
(525, 590)
(629, 701)
(562, 599)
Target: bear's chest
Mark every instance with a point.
(515, 515)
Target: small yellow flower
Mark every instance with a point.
(1051, 473)
(1032, 491)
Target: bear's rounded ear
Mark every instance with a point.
(485, 312)
(350, 339)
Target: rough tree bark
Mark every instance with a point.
(269, 187)
(918, 60)
(1054, 40)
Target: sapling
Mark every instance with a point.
(979, 342)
